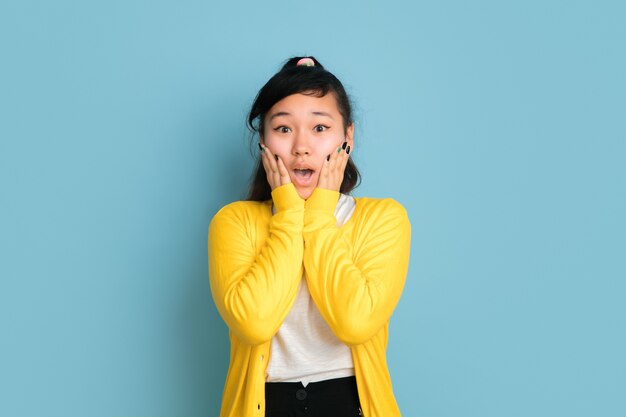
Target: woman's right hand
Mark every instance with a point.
(275, 169)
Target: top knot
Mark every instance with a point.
(305, 62)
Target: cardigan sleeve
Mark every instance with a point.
(355, 286)
(254, 288)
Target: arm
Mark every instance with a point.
(355, 287)
(254, 288)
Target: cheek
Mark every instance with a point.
(330, 146)
(277, 147)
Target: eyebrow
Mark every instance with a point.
(280, 113)
(322, 113)
(317, 113)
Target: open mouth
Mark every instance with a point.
(303, 174)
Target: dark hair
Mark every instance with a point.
(293, 79)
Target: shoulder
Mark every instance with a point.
(243, 212)
(380, 222)
(377, 208)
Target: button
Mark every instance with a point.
(301, 394)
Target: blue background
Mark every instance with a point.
(499, 125)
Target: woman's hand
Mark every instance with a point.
(275, 169)
(333, 168)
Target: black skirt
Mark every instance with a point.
(330, 398)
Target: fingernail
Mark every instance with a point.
(339, 149)
(328, 157)
(261, 147)
(276, 156)
(348, 150)
(344, 145)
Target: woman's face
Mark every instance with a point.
(303, 130)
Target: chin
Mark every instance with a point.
(304, 194)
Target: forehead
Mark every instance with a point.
(305, 104)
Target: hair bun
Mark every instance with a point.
(305, 62)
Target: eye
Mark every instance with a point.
(321, 128)
(282, 129)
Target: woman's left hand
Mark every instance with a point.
(333, 169)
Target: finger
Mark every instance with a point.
(328, 165)
(280, 174)
(264, 157)
(337, 166)
(322, 180)
(267, 164)
(264, 160)
(282, 171)
(331, 158)
(345, 155)
(271, 159)
(331, 175)
(335, 159)
(271, 172)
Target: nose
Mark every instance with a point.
(301, 145)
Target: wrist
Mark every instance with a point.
(285, 197)
(322, 199)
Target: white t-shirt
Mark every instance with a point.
(305, 348)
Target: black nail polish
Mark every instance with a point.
(348, 150)
(344, 145)
(276, 156)
(328, 157)
(260, 147)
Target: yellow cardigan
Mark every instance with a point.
(355, 274)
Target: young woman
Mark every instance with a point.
(306, 276)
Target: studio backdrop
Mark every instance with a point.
(500, 126)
